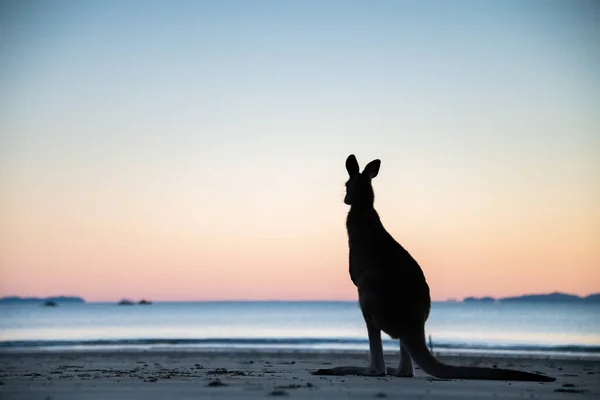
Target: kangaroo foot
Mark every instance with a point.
(401, 373)
(341, 371)
(405, 366)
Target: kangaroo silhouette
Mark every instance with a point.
(393, 293)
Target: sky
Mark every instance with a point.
(195, 150)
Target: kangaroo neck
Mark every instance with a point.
(362, 221)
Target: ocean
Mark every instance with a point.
(541, 329)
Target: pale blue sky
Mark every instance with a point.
(233, 119)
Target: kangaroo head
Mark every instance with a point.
(358, 186)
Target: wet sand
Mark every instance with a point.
(167, 374)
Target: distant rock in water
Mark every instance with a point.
(50, 304)
(126, 302)
(145, 302)
(479, 300)
(41, 300)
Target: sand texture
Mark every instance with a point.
(165, 374)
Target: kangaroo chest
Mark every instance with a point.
(364, 255)
(364, 242)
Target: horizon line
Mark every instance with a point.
(232, 300)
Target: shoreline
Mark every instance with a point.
(252, 374)
(441, 353)
(451, 353)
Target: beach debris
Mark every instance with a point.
(569, 390)
(568, 385)
(381, 395)
(430, 345)
(225, 371)
(269, 371)
(218, 371)
(291, 386)
(151, 379)
(437, 380)
(216, 383)
(308, 384)
(278, 393)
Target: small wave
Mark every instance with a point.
(294, 343)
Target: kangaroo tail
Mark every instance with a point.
(415, 344)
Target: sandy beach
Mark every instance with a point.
(167, 374)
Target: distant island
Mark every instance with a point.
(42, 300)
(127, 302)
(57, 300)
(555, 297)
(479, 299)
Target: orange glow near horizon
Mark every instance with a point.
(170, 258)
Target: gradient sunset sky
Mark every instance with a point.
(194, 150)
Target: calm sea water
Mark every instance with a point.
(542, 329)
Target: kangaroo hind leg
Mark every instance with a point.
(377, 364)
(405, 366)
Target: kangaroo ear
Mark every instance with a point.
(372, 168)
(352, 166)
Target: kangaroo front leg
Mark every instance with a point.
(375, 349)
(405, 367)
(377, 364)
